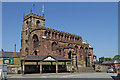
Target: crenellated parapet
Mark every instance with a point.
(56, 35)
(34, 16)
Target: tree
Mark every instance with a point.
(116, 57)
(108, 59)
(101, 59)
(2, 50)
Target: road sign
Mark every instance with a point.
(8, 60)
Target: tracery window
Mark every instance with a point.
(35, 41)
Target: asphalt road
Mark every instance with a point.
(61, 76)
(61, 79)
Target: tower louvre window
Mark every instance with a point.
(37, 23)
(27, 22)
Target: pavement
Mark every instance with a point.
(64, 75)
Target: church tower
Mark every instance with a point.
(30, 23)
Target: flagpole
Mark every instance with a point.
(33, 8)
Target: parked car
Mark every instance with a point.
(111, 70)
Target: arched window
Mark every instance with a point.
(27, 22)
(45, 33)
(54, 45)
(30, 17)
(81, 47)
(75, 39)
(26, 41)
(37, 23)
(60, 52)
(48, 33)
(69, 53)
(52, 34)
(35, 52)
(35, 41)
(68, 44)
(55, 35)
(70, 38)
(65, 37)
(62, 36)
(76, 48)
(86, 50)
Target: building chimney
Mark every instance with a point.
(15, 48)
(15, 54)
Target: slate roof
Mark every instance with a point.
(0, 53)
(111, 62)
(42, 57)
(108, 62)
(6, 54)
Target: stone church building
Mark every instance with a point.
(36, 39)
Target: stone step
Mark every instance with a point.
(85, 69)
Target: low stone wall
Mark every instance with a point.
(13, 69)
(102, 68)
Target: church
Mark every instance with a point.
(41, 44)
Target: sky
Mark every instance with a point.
(96, 22)
(60, 0)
